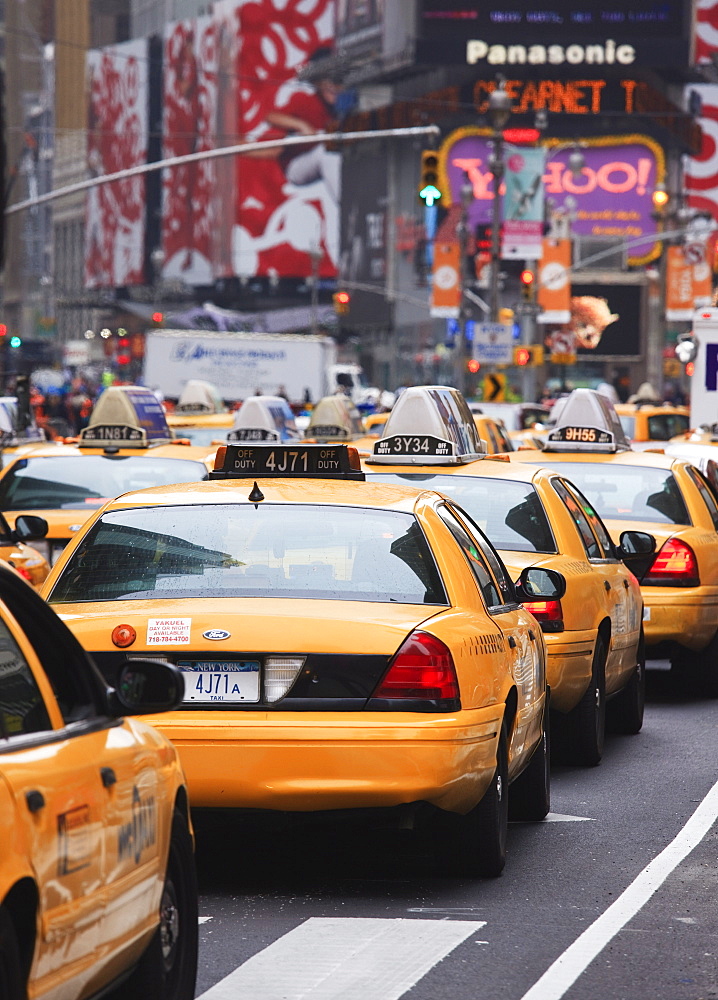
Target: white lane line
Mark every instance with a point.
(353, 958)
(563, 818)
(564, 972)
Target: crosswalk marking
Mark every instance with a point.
(354, 958)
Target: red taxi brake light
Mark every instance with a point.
(422, 669)
(549, 614)
(675, 565)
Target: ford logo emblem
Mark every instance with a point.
(215, 633)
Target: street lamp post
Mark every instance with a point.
(499, 114)
(462, 233)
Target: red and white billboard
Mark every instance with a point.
(233, 77)
(190, 211)
(287, 201)
(117, 102)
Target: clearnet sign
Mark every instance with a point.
(596, 54)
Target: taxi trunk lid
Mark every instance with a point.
(339, 650)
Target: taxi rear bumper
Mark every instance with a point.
(305, 762)
(687, 617)
(568, 667)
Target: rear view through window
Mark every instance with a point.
(509, 513)
(237, 550)
(88, 481)
(630, 493)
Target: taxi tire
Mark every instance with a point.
(586, 723)
(625, 711)
(475, 844)
(172, 976)
(11, 980)
(530, 798)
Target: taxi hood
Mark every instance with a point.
(254, 624)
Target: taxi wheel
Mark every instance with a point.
(625, 711)
(474, 845)
(586, 723)
(168, 969)
(530, 798)
(11, 984)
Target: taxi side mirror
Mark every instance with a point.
(635, 549)
(28, 527)
(145, 687)
(540, 584)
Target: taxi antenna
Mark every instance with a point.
(256, 495)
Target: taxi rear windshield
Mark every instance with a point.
(88, 481)
(627, 492)
(510, 513)
(238, 550)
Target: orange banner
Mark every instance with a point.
(679, 285)
(702, 254)
(446, 286)
(554, 283)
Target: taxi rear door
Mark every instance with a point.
(523, 634)
(58, 806)
(622, 595)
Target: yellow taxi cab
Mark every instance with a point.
(200, 414)
(668, 497)
(264, 418)
(493, 434)
(97, 878)
(126, 446)
(334, 419)
(345, 645)
(29, 563)
(536, 518)
(644, 424)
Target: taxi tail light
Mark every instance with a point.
(25, 574)
(549, 614)
(422, 669)
(280, 672)
(675, 565)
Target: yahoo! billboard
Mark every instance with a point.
(611, 199)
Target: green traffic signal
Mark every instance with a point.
(428, 190)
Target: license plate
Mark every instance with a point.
(226, 682)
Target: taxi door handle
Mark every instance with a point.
(626, 584)
(532, 637)
(35, 800)
(512, 642)
(109, 778)
(607, 585)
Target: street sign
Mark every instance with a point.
(493, 343)
(493, 388)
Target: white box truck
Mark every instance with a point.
(242, 364)
(704, 382)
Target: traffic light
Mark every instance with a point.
(473, 365)
(528, 284)
(123, 351)
(529, 355)
(342, 301)
(158, 318)
(3, 330)
(429, 190)
(15, 341)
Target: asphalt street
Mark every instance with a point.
(319, 911)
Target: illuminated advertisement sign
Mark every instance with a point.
(565, 33)
(117, 137)
(610, 199)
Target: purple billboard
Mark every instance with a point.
(611, 199)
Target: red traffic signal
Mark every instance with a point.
(473, 365)
(522, 356)
(158, 317)
(528, 279)
(3, 330)
(342, 301)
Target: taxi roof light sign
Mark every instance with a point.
(264, 418)
(126, 415)
(587, 422)
(198, 396)
(429, 425)
(334, 418)
(287, 461)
